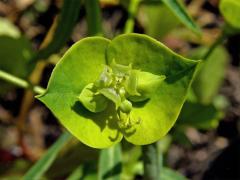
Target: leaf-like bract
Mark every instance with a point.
(148, 120)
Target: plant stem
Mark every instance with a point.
(132, 10)
(20, 82)
(93, 17)
(151, 162)
(217, 42)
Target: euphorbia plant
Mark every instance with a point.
(132, 86)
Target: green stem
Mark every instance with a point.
(20, 82)
(217, 42)
(94, 21)
(151, 162)
(132, 10)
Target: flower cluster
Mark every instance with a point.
(119, 85)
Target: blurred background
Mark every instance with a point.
(34, 34)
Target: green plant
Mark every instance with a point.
(129, 88)
(122, 90)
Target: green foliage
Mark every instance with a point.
(200, 110)
(130, 160)
(210, 75)
(83, 64)
(164, 105)
(157, 19)
(152, 163)
(199, 116)
(180, 11)
(110, 163)
(93, 17)
(14, 62)
(132, 87)
(230, 9)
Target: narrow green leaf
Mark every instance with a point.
(66, 22)
(38, 170)
(151, 162)
(182, 14)
(94, 21)
(110, 163)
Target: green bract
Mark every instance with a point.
(132, 86)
